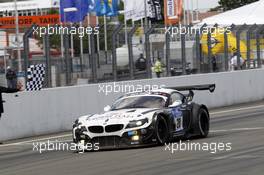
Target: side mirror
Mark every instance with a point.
(190, 96)
(176, 103)
(107, 108)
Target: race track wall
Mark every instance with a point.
(55, 110)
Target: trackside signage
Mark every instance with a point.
(27, 21)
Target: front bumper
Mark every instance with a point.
(133, 138)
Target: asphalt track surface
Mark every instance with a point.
(242, 126)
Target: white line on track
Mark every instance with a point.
(237, 110)
(36, 140)
(237, 154)
(237, 129)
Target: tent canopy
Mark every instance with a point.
(249, 14)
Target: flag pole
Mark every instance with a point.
(197, 12)
(105, 33)
(125, 20)
(184, 13)
(192, 18)
(146, 15)
(62, 45)
(98, 37)
(81, 49)
(61, 35)
(72, 44)
(88, 23)
(188, 12)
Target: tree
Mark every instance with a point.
(232, 4)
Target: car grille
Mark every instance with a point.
(107, 141)
(96, 129)
(113, 128)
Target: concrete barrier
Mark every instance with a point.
(54, 110)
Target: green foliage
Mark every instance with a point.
(53, 12)
(232, 4)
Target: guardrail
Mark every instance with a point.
(54, 110)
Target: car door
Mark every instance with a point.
(181, 113)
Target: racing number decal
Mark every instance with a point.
(178, 119)
(179, 124)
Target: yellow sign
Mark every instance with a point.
(217, 42)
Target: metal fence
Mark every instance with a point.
(71, 60)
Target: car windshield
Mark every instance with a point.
(139, 102)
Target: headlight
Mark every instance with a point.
(137, 123)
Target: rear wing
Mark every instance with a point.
(210, 87)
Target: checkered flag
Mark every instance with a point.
(35, 77)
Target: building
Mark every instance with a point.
(28, 8)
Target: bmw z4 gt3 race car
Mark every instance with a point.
(143, 118)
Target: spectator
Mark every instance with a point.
(158, 67)
(214, 63)
(141, 63)
(7, 90)
(234, 64)
(11, 78)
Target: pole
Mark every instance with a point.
(125, 21)
(48, 63)
(184, 13)
(61, 34)
(17, 39)
(105, 33)
(88, 21)
(114, 61)
(67, 59)
(89, 42)
(183, 54)
(98, 37)
(98, 44)
(188, 14)
(105, 37)
(146, 15)
(192, 11)
(209, 47)
(81, 49)
(5, 64)
(72, 44)
(62, 45)
(130, 52)
(226, 51)
(168, 66)
(197, 13)
(93, 59)
(147, 48)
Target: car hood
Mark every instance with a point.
(119, 116)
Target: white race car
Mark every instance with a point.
(142, 118)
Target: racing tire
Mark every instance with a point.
(162, 130)
(203, 123)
